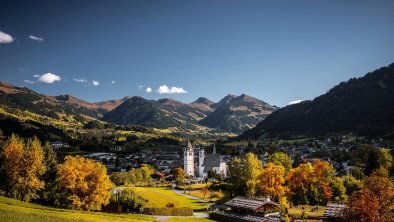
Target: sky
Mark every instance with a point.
(276, 51)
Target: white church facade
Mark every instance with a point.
(204, 162)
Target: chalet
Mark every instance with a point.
(251, 205)
(249, 210)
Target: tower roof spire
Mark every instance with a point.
(189, 145)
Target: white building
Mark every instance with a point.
(188, 159)
(205, 162)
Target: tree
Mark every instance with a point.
(85, 182)
(282, 159)
(204, 191)
(300, 182)
(211, 174)
(147, 171)
(179, 174)
(128, 198)
(378, 158)
(49, 195)
(271, 181)
(236, 177)
(315, 184)
(351, 183)
(23, 164)
(374, 202)
(252, 169)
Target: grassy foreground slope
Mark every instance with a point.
(159, 197)
(13, 210)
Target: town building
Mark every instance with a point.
(204, 163)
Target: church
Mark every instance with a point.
(199, 167)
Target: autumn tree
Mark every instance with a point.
(23, 166)
(251, 169)
(179, 174)
(315, 184)
(300, 181)
(374, 202)
(85, 182)
(271, 181)
(282, 159)
(204, 191)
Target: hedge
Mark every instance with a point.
(165, 211)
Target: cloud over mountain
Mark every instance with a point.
(48, 78)
(164, 89)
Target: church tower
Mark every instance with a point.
(201, 157)
(188, 159)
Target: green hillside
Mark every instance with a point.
(13, 210)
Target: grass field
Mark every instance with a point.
(159, 197)
(296, 212)
(15, 211)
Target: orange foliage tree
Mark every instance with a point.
(315, 184)
(271, 181)
(86, 183)
(374, 202)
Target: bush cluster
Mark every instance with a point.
(165, 211)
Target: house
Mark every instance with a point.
(251, 205)
(245, 209)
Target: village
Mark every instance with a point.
(202, 167)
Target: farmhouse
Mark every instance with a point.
(251, 205)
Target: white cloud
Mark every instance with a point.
(5, 38)
(95, 82)
(23, 70)
(35, 38)
(113, 81)
(295, 101)
(164, 89)
(48, 78)
(140, 87)
(80, 80)
(148, 89)
(28, 81)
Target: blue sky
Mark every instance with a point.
(277, 51)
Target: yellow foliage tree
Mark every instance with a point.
(252, 169)
(271, 181)
(23, 164)
(86, 183)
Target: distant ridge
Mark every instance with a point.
(361, 105)
(231, 114)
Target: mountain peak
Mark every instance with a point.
(203, 100)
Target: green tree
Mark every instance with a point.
(282, 159)
(236, 177)
(351, 183)
(379, 158)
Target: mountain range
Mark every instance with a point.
(361, 105)
(231, 114)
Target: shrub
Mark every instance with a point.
(165, 211)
